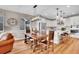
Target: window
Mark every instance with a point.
(22, 24)
(1, 23)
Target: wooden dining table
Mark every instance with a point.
(38, 39)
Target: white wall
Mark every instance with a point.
(51, 23)
(74, 20)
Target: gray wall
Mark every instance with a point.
(18, 34)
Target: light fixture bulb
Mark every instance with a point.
(68, 6)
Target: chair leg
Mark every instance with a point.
(34, 48)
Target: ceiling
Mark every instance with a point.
(48, 11)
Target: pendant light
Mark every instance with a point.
(57, 16)
(64, 17)
(35, 9)
(61, 15)
(34, 13)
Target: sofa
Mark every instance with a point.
(7, 45)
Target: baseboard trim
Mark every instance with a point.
(19, 40)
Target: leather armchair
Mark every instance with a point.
(7, 45)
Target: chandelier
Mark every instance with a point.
(59, 17)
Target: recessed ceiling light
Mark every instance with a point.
(68, 6)
(73, 13)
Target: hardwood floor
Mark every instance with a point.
(21, 48)
(69, 47)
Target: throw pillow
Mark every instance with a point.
(3, 36)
